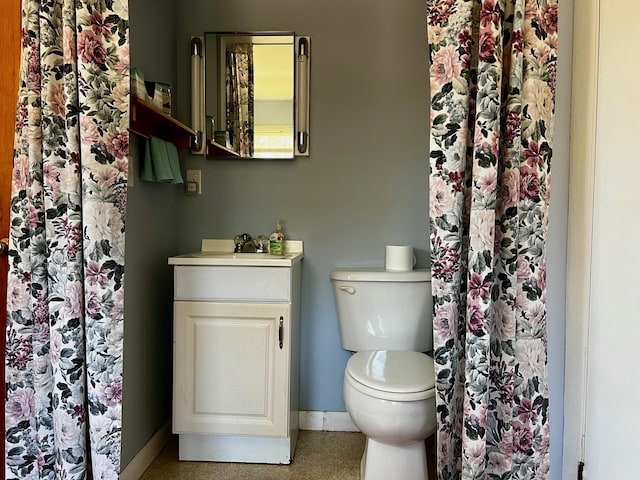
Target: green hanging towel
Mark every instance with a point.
(160, 160)
(174, 162)
(147, 164)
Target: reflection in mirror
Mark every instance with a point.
(249, 95)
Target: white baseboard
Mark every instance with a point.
(327, 421)
(146, 455)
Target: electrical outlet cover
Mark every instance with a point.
(194, 181)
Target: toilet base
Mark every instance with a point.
(382, 462)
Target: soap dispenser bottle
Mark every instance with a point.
(276, 240)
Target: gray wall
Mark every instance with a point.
(151, 237)
(364, 185)
(557, 240)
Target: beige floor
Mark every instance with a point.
(319, 456)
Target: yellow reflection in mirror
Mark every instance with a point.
(273, 100)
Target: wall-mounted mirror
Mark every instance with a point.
(255, 88)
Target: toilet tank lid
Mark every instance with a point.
(393, 371)
(381, 275)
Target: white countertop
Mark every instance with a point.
(220, 252)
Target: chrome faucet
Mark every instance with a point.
(244, 244)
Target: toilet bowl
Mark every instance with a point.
(389, 386)
(390, 396)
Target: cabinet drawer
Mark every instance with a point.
(232, 283)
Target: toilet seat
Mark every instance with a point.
(392, 375)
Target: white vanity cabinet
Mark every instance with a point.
(236, 356)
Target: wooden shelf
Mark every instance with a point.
(216, 150)
(148, 121)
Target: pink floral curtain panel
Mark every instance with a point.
(240, 98)
(65, 287)
(493, 73)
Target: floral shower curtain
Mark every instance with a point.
(493, 73)
(65, 287)
(240, 122)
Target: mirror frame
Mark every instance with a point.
(202, 144)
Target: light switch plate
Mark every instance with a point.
(194, 182)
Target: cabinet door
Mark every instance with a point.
(231, 368)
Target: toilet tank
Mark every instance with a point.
(381, 310)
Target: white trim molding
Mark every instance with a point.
(586, 45)
(147, 454)
(326, 421)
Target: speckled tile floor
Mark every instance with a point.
(318, 456)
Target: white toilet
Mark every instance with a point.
(389, 386)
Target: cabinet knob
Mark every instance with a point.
(281, 333)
